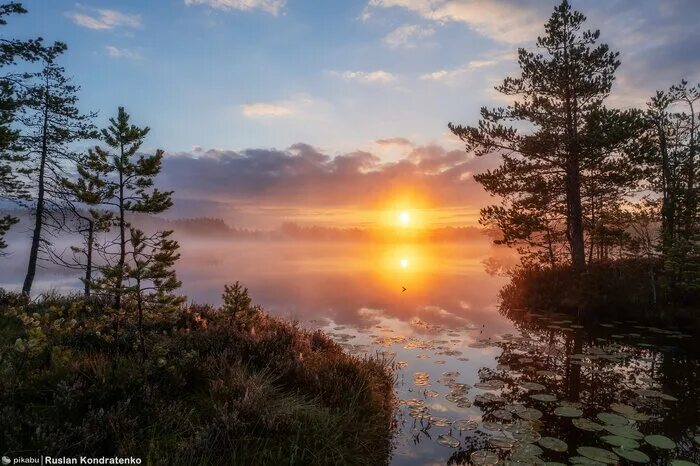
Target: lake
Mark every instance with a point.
(475, 382)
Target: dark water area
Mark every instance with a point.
(476, 383)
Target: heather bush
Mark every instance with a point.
(267, 392)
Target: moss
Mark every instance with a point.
(209, 392)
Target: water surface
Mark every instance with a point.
(475, 382)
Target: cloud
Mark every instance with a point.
(116, 52)
(101, 19)
(451, 75)
(299, 106)
(379, 76)
(304, 176)
(270, 6)
(507, 21)
(407, 36)
(394, 142)
(263, 110)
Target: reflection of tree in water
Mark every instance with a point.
(596, 370)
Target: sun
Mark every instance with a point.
(404, 218)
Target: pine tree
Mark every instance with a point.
(131, 182)
(559, 95)
(11, 186)
(53, 124)
(675, 124)
(149, 276)
(85, 196)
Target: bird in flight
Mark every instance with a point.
(403, 288)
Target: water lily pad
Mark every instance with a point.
(515, 409)
(554, 444)
(448, 441)
(465, 424)
(534, 386)
(623, 409)
(587, 424)
(565, 411)
(526, 450)
(612, 419)
(697, 439)
(683, 463)
(570, 404)
(483, 458)
(439, 421)
(544, 397)
(660, 441)
(502, 442)
(625, 431)
(637, 416)
(502, 414)
(584, 460)
(531, 414)
(598, 454)
(620, 442)
(634, 456)
(494, 426)
(531, 436)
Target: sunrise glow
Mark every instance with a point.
(404, 218)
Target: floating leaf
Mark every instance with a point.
(612, 419)
(502, 414)
(625, 431)
(682, 463)
(583, 460)
(532, 386)
(448, 441)
(544, 397)
(465, 424)
(554, 444)
(531, 414)
(634, 456)
(484, 458)
(526, 450)
(494, 426)
(439, 421)
(623, 409)
(515, 409)
(660, 441)
(598, 454)
(502, 442)
(620, 442)
(565, 411)
(587, 424)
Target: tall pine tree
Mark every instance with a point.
(85, 195)
(11, 50)
(53, 124)
(558, 99)
(131, 182)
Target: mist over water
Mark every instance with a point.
(353, 283)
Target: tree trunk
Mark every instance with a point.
(39, 212)
(575, 221)
(122, 235)
(88, 264)
(142, 340)
(667, 207)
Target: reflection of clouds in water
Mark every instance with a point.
(349, 283)
(354, 284)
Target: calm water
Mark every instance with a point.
(475, 383)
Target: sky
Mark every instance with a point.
(331, 112)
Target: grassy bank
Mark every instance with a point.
(210, 391)
(622, 290)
